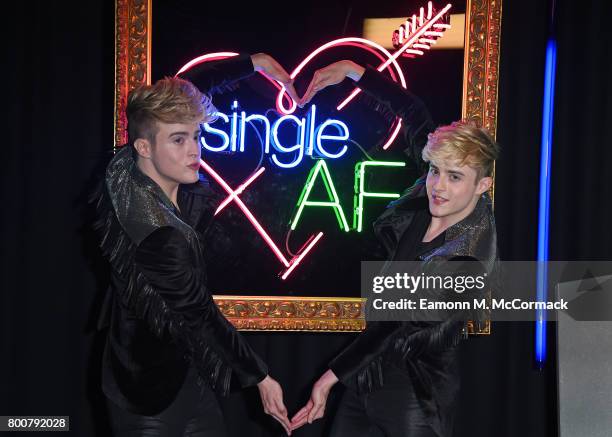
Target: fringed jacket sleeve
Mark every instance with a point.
(417, 122)
(360, 364)
(179, 304)
(215, 76)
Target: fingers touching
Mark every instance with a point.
(272, 400)
(301, 417)
(322, 78)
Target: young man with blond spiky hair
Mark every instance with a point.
(168, 345)
(402, 377)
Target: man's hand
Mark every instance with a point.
(331, 75)
(268, 65)
(272, 399)
(315, 407)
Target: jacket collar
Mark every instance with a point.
(398, 217)
(139, 203)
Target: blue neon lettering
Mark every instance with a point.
(310, 139)
(344, 134)
(234, 131)
(311, 129)
(216, 132)
(299, 145)
(254, 117)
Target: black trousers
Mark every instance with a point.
(390, 411)
(189, 415)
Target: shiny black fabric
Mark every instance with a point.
(410, 245)
(392, 411)
(193, 413)
(160, 317)
(425, 352)
(165, 258)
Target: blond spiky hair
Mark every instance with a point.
(169, 100)
(464, 142)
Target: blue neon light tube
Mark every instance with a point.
(544, 201)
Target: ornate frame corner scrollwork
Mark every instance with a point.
(481, 65)
(133, 32)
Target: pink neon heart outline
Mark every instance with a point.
(379, 51)
(290, 265)
(415, 37)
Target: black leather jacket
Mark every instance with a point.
(161, 318)
(425, 350)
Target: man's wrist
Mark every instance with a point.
(329, 378)
(263, 381)
(258, 60)
(354, 71)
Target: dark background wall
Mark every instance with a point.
(59, 84)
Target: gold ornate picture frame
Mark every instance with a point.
(133, 30)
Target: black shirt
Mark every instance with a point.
(411, 244)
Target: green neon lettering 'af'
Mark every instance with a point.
(361, 193)
(320, 168)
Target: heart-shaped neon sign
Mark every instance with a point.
(421, 35)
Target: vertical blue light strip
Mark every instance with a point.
(543, 215)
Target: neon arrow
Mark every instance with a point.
(407, 45)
